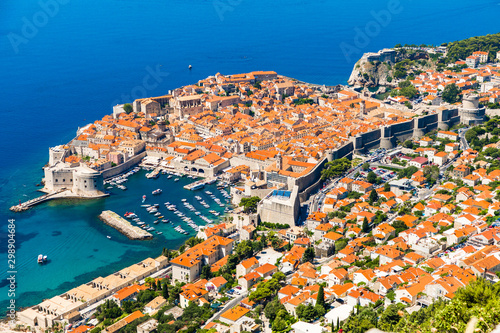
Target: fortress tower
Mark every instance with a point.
(470, 112)
(386, 138)
(362, 108)
(279, 161)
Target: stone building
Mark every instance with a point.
(186, 105)
(470, 112)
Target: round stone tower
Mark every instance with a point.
(386, 138)
(471, 113)
(418, 128)
(329, 155)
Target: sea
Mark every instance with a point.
(65, 63)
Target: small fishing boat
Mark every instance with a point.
(143, 198)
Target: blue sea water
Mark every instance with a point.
(64, 66)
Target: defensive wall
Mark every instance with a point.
(387, 136)
(286, 211)
(123, 167)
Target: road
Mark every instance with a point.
(395, 166)
(461, 135)
(314, 201)
(313, 204)
(228, 306)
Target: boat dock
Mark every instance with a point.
(200, 184)
(30, 203)
(196, 185)
(154, 173)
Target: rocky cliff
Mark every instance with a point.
(376, 73)
(370, 74)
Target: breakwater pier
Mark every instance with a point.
(30, 203)
(60, 194)
(125, 227)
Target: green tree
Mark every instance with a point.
(272, 308)
(361, 321)
(451, 93)
(320, 300)
(387, 187)
(244, 249)
(335, 168)
(306, 312)
(165, 290)
(193, 241)
(407, 172)
(365, 166)
(390, 317)
(366, 227)
(408, 144)
(340, 244)
(250, 204)
(431, 173)
(371, 177)
(127, 108)
(407, 90)
(206, 273)
(279, 325)
(267, 289)
(373, 197)
(308, 255)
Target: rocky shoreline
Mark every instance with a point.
(125, 227)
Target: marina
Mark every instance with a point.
(107, 248)
(184, 218)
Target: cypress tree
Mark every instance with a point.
(321, 298)
(365, 228)
(165, 290)
(373, 196)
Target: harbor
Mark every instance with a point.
(74, 224)
(185, 218)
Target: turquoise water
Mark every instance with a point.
(88, 55)
(77, 239)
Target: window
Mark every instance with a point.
(64, 180)
(57, 180)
